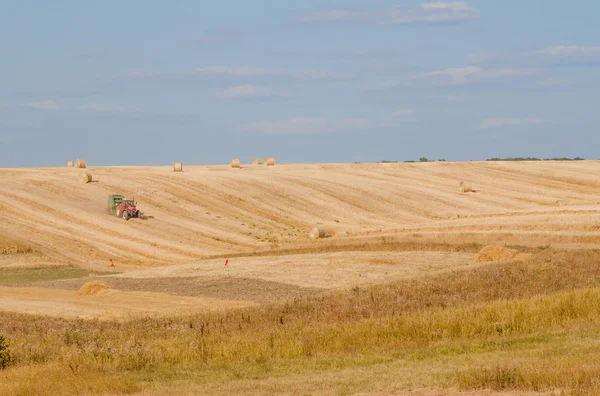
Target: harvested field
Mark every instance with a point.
(247, 280)
(203, 211)
(321, 271)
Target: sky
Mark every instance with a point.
(150, 82)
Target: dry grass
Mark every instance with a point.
(93, 288)
(577, 372)
(62, 379)
(13, 247)
(496, 253)
(484, 310)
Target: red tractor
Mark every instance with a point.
(122, 207)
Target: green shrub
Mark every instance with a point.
(5, 358)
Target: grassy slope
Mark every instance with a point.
(13, 276)
(528, 325)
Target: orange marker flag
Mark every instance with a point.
(226, 262)
(111, 263)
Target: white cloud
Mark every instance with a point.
(553, 83)
(481, 58)
(240, 71)
(251, 91)
(565, 51)
(402, 115)
(450, 99)
(220, 37)
(384, 85)
(246, 71)
(134, 75)
(458, 74)
(16, 123)
(298, 124)
(434, 12)
(323, 75)
(560, 53)
(100, 108)
(44, 105)
(456, 6)
(462, 75)
(501, 122)
(318, 125)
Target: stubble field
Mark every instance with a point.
(392, 300)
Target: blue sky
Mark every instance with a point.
(149, 83)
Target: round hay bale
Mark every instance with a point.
(269, 161)
(496, 253)
(177, 167)
(86, 177)
(317, 232)
(93, 288)
(257, 161)
(340, 234)
(466, 188)
(69, 164)
(462, 183)
(79, 163)
(235, 163)
(559, 203)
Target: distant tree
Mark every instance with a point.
(423, 159)
(535, 159)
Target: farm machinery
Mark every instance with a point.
(120, 206)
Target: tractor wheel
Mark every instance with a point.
(138, 214)
(126, 215)
(119, 214)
